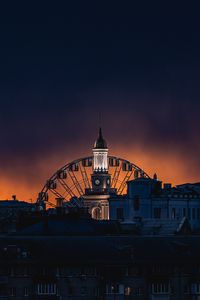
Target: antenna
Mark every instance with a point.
(100, 119)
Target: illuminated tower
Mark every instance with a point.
(96, 197)
(100, 152)
(100, 177)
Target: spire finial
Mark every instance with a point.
(100, 143)
(99, 119)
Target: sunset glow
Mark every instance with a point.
(170, 168)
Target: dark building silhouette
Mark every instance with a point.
(75, 257)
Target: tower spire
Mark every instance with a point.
(100, 152)
(100, 142)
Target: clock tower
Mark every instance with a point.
(100, 177)
(96, 198)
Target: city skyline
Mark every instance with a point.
(61, 66)
(150, 162)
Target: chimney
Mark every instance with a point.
(14, 197)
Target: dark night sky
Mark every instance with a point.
(62, 64)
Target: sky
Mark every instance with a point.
(64, 63)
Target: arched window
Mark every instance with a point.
(96, 213)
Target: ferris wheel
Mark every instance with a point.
(71, 180)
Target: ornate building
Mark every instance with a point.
(96, 198)
(114, 188)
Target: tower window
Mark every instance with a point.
(96, 213)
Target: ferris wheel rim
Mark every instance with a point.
(77, 161)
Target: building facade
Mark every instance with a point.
(38, 263)
(150, 203)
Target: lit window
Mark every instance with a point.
(160, 288)
(46, 289)
(195, 288)
(115, 289)
(127, 290)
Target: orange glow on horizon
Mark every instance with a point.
(170, 168)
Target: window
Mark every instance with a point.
(193, 214)
(120, 213)
(12, 272)
(157, 212)
(46, 289)
(13, 291)
(173, 213)
(24, 271)
(136, 203)
(139, 291)
(184, 212)
(132, 271)
(83, 290)
(160, 288)
(114, 288)
(188, 213)
(198, 213)
(26, 291)
(187, 289)
(70, 290)
(195, 288)
(96, 291)
(127, 291)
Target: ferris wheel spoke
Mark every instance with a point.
(76, 183)
(113, 177)
(84, 176)
(123, 183)
(56, 193)
(116, 176)
(66, 188)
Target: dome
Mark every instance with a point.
(100, 143)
